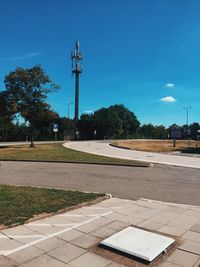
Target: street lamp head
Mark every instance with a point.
(187, 108)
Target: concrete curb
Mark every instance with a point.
(144, 164)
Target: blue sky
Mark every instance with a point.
(140, 53)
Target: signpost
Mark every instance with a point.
(175, 133)
(198, 134)
(55, 130)
(95, 134)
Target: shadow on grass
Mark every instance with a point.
(190, 150)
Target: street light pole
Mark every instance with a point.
(187, 122)
(70, 102)
(187, 114)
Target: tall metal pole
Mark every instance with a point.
(187, 122)
(187, 115)
(76, 57)
(70, 102)
(77, 97)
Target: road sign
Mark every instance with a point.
(176, 133)
(55, 128)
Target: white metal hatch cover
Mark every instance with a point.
(139, 243)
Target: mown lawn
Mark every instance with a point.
(56, 152)
(18, 204)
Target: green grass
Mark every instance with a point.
(18, 204)
(56, 152)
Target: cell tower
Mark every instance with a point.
(76, 57)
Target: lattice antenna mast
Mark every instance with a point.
(77, 68)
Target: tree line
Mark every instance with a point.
(26, 115)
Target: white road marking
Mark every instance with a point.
(8, 252)
(40, 224)
(24, 236)
(3, 236)
(95, 208)
(71, 215)
(99, 208)
(49, 225)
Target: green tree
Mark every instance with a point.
(194, 128)
(28, 89)
(86, 126)
(7, 111)
(113, 122)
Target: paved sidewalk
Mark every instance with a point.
(103, 148)
(70, 239)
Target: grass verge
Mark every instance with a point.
(163, 146)
(56, 152)
(19, 204)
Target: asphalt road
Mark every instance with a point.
(161, 182)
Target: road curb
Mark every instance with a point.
(144, 164)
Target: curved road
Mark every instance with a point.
(161, 182)
(103, 148)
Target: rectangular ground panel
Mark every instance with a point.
(138, 243)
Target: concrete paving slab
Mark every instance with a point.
(117, 225)
(146, 213)
(27, 239)
(150, 225)
(103, 232)
(183, 258)
(90, 259)
(164, 217)
(61, 219)
(129, 218)
(25, 255)
(5, 262)
(168, 264)
(170, 230)
(190, 246)
(8, 244)
(149, 203)
(18, 230)
(197, 263)
(114, 264)
(43, 261)
(87, 228)
(85, 241)
(70, 235)
(195, 228)
(193, 236)
(52, 230)
(177, 210)
(66, 253)
(192, 213)
(184, 222)
(48, 245)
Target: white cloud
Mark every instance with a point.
(88, 111)
(26, 56)
(169, 85)
(168, 99)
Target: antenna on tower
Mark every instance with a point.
(76, 57)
